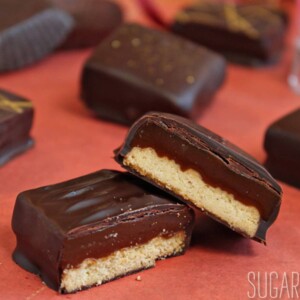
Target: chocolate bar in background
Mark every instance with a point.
(282, 7)
(282, 144)
(94, 20)
(138, 69)
(29, 31)
(204, 170)
(96, 228)
(245, 33)
(16, 116)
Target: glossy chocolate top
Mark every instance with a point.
(283, 137)
(13, 12)
(250, 20)
(100, 198)
(220, 163)
(159, 60)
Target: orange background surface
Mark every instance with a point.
(70, 142)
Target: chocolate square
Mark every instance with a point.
(138, 69)
(96, 228)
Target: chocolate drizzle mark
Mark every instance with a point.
(13, 106)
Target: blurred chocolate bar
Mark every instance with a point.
(245, 33)
(282, 144)
(30, 30)
(94, 20)
(138, 69)
(16, 115)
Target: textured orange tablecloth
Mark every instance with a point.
(70, 143)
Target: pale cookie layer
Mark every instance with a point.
(190, 185)
(127, 260)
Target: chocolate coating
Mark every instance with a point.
(137, 69)
(245, 33)
(30, 30)
(282, 144)
(16, 116)
(94, 20)
(59, 226)
(220, 163)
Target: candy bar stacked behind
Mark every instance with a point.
(137, 69)
(282, 144)
(96, 228)
(246, 33)
(16, 116)
(203, 170)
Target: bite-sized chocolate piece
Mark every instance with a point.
(137, 69)
(29, 30)
(96, 228)
(94, 20)
(204, 170)
(16, 116)
(282, 144)
(243, 32)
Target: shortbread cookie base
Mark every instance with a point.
(128, 260)
(191, 187)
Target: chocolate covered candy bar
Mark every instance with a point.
(137, 69)
(94, 20)
(96, 228)
(29, 30)
(203, 170)
(16, 116)
(282, 144)
(246, 33)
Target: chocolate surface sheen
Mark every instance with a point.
(16, 116)
(138, 69)
(66, 227)
(224, 173)
(245, 33)
(282, 144)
